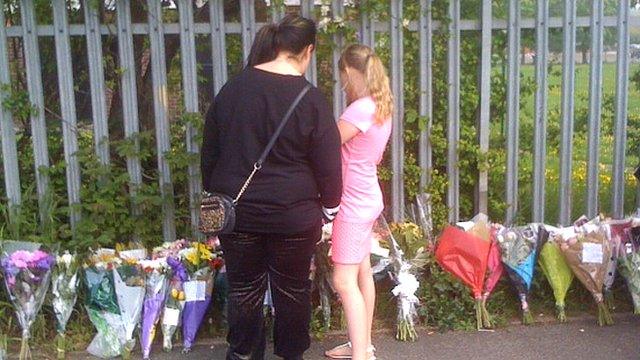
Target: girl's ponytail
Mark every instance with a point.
(378, 86)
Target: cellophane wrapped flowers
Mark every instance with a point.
(201, 263)
(26, 267)
(64, 288)
(520, 247)
(129, 280)
(156, 271)
(102, 305)
(406, 283)
(588, 253)
(174, 300)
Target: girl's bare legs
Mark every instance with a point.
(368, 290)
(345, 280)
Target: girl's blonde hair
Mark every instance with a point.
(363, 59)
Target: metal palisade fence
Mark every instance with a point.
(217, 28)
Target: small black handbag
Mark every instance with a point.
(217, 210)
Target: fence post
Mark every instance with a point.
(397, 136)
(595, 103)
(96, 75)
(36, 97)
(568, 87)
(160, 102)
(67, 108)
(453, 128)
(218, 44)
(129, 95)
(248, 23)
(485, 104)
(306, 9)
(337, 11)
(7, 130)
(620, 129)
(367, 30)
(426, 91)
(540, 128)
(513, 110)
(190, 88)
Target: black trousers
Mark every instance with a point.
(283, 261)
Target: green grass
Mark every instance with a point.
(581, 87)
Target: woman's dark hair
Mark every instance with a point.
(292, 34)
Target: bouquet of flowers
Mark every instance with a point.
(464, 254)
(64, 287)
(172, 312)
(129, 281)
(557, 271)
(494, 273)
(617, 229)
(406, 283)
(201, 264)
(102, 305)
(26, 267)
(520, 247)
(588, 253)
(155, 294)
(629, 262)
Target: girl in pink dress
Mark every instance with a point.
(365, 127)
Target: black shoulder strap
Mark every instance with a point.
(284, 121)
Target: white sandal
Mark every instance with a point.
(344, 352)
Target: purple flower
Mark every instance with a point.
(45, 263)
(178, 268)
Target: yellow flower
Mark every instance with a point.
(192, 257)
(203, 250)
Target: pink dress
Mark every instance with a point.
(361, 202)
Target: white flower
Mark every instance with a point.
(156, 264)
(66, 259)
(407, 285)
(323, 23)
(405, 23)
(324, 10)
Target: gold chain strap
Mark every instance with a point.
(256, 167)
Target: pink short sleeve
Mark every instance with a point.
(360, 113)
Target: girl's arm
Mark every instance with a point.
(347, 130)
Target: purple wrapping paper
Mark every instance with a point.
(151, 314)
(192, 316)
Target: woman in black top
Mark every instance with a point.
(280, 215)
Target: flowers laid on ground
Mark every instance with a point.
(464, 254)
(403, 274)
(101, 303)
(557, 271)
(201, 264)
(156, 272)
(172, 312)
(64, 288)
(629, 262)
(494, 273)
(588, 253)
(129, 281)
(520, 248)
(26, 268)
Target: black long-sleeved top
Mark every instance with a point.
(302, 171)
